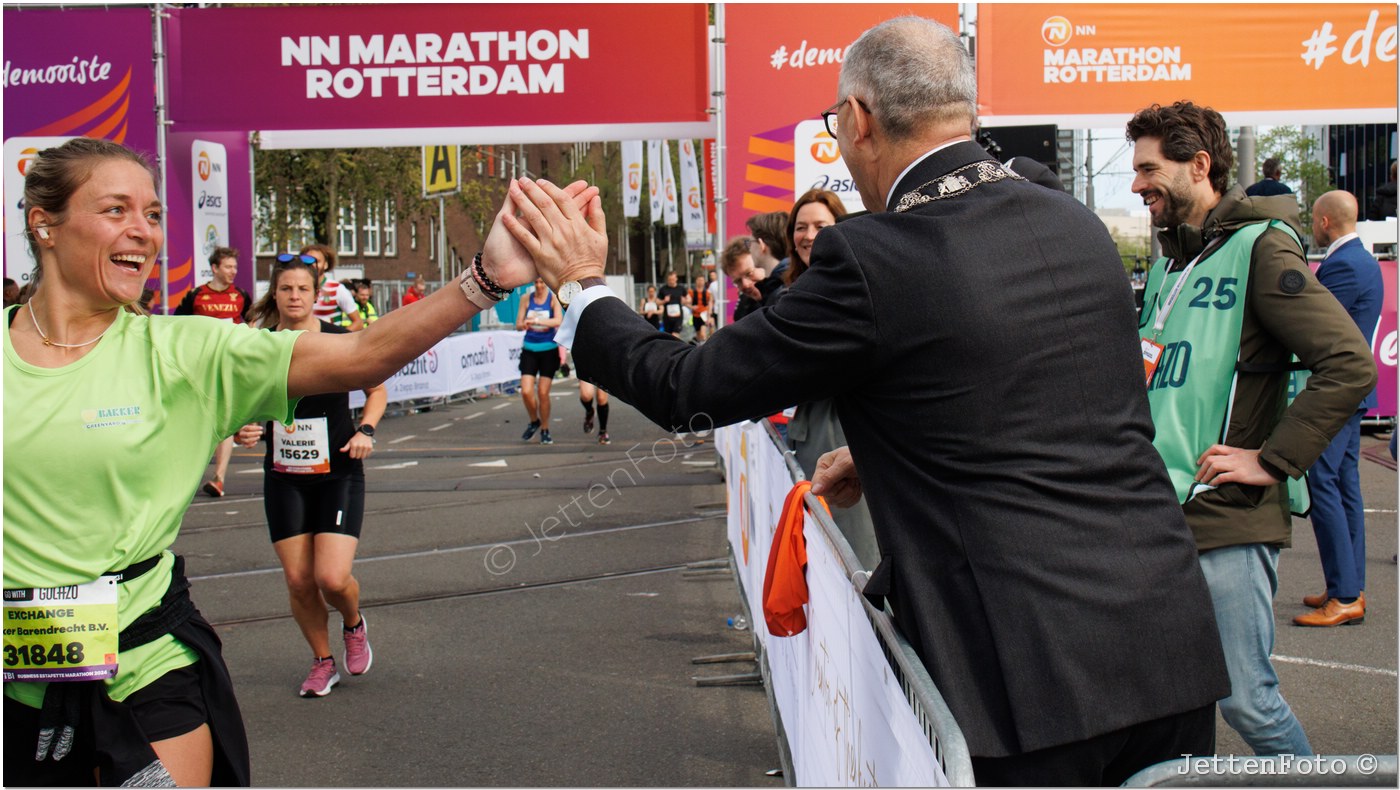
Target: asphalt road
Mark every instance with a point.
(524, 635)
(527, 635)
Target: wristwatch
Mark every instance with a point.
(366, 429)
(570, 290)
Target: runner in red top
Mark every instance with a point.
(219, 298)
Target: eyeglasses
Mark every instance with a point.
(287, 257)
(829, 116)
(755, 241)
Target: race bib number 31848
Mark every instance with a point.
(61, 633)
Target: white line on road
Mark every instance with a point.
(404, 465)
(477, 547)
(497, 462)
(473, 416)
(698, 463)
(1313, 662)
(254, 471)
(440, 427)
(500, 406)
(1375, 510)
(404, 438)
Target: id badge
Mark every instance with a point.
(302, 448)
(1151, 355)
(59, 634)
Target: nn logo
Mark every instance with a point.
(1057, 31)
(824, 148)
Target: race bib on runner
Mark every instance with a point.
(302, 448)
(673, 310)
(1151, 355)
(58, 634)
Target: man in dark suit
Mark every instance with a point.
(1338, 513)
(978, 336)
(1270, 184)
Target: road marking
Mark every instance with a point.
(497, 462)
(404, 465)
(1374, 510)
(500, 406)
(440, 427)
(1313, 662)
(532, 540)
(254, 471)
(697, 463)
(473, 416)
(404, 438)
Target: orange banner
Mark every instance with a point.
(1090, 65)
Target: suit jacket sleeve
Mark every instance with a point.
(822, 336)
(1313, 325)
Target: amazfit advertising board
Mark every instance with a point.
(69, 73)
(1089, 65)
(346, 75)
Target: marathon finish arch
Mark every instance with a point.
(408, 75)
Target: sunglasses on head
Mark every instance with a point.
(287, 257)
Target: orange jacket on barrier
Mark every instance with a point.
(785, 581)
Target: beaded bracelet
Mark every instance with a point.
(487, 284)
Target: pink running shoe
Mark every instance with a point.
(322, 678)
(358, 655)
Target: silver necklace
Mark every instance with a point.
(49, 342)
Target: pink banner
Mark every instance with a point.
(369, 72)
(1386, 345)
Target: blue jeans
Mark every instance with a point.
(1338, 515)
(1242, 581)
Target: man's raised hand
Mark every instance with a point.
(566, 236)
(505, 259)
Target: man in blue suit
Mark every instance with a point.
(1338, 519)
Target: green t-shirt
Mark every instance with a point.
(102, 456)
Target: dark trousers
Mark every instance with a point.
(1105, 760)
(1338, 514)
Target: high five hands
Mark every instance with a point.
(509, 262)
(563, 230)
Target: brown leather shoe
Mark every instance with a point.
(1334, 612)
(1316, 601)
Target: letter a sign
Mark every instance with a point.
(441, 170)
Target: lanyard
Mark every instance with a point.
(1165, 308)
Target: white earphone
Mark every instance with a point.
(43, 233)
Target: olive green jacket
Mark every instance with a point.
(1280, 319)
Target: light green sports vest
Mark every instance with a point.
(1193, 388)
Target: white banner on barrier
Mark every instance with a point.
(847, 720)
(457, 364)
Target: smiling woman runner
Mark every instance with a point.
(314, 488)
(109, 418)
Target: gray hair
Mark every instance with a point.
(911, 72)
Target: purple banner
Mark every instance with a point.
(80, 72)
(76, 72)
(187, 254)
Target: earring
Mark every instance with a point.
(43, 233)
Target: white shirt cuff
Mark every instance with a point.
(565, 335)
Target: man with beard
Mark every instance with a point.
(1225, 309)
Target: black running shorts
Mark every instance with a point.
(335, 506)
(539, 363)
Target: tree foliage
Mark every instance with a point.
(1300, 154)
(314, 183)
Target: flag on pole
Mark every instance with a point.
(654, 178)
(631, 178)
(693, 204)
(670, 208)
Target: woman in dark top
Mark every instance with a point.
(314, 489)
